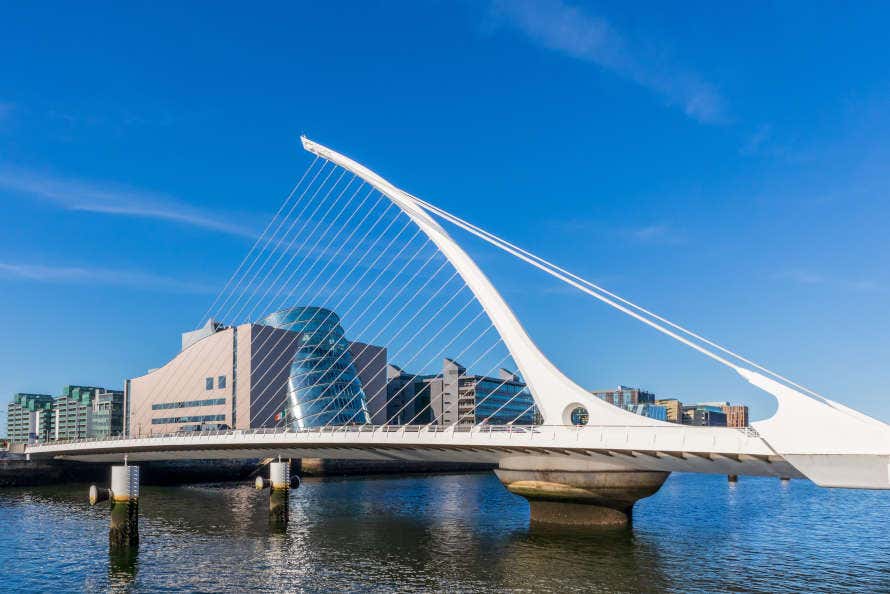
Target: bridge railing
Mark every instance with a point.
(527, 430)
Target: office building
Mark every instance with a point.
(709, 414)
(83, 412)
(456, 397)
(673, 409)
(704, 415)
(224, 377)
(29, 417)
(108, 413)
(463, 399)
(623, 396)
(736, 415)
(80, 412)
(408, 397)
(295, 367)
(633, 400)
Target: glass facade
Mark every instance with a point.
(704, 415)
(108, 413)
(494, 401)
(653, 411)
(323, 387)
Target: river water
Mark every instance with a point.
(456, 533)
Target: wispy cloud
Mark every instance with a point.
(657, 233)
(561, 27)
(102, 276)
(109, 198)
(763, 142)
(755, 142)
(806, 277)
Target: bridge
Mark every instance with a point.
(582, 461)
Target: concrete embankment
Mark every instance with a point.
(16, 472)
(25, 473)
(325, 467)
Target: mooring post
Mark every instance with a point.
(98, 495)
(124, 530)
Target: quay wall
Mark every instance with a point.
(325, 467)
(18, 472)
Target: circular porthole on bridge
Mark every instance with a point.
(579, 416)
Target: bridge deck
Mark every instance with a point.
(682, 448)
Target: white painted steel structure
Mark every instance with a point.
(672, 448)
(809, 435)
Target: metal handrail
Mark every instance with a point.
(490, 430)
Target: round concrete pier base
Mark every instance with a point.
(578, 493)
(564, 513)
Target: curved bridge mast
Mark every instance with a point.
(555, 394)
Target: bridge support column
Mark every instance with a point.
(279, 494)
(578, 493)
(124, 530)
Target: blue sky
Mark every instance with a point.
(722, 165)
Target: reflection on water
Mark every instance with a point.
(123, 563)
(453, 532)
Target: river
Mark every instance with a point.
(456, 533)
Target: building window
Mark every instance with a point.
(208, 383)
(192, 419)
(188, 403)
(221, 382)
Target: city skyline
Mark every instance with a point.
(766, 184)
(309, 345)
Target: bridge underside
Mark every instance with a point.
(664, 461)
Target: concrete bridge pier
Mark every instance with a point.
(279, 479)
(279, 484)
(124, 530)
(578, 493)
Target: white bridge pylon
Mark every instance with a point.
(555, 394)
(826, 441)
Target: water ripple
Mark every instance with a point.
(450, 533)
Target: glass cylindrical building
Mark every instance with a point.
(323, 387)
